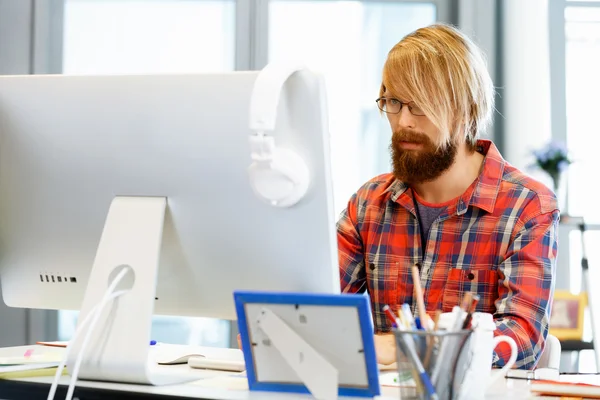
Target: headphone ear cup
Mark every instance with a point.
(281, 181)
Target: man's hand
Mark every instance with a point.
(385, 348)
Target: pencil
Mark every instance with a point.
(466, 301)
(471, 310)
(390, 315)
(431, 341)
(419, 295)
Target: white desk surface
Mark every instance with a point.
(207, 388)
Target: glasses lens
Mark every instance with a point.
(416, 110)
(389, 105)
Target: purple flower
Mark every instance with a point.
(553, 158)
(562, 165)
(558, 147)
(541, 155)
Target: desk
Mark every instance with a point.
(37, 388)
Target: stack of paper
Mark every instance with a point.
(29, 365)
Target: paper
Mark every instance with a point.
(53, 344)
(393, 379)
(31, 359)
(228, 382)
(29, 370)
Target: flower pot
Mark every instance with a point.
(560, 190)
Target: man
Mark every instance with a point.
(452, 205)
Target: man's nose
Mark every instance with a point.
(405, 119)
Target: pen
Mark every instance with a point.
(401, 320)
(418, 324)
(390, 316)
(408, 317)
(419, 294)
(471, 310)
(431, 344)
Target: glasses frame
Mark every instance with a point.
(410, 105)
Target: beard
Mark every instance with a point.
(424, 164)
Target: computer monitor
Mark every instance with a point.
(169, 156)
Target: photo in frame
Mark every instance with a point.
(566, 319)
(338, 327)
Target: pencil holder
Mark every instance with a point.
(431, 364)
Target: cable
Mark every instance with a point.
(93, 316)
(106, 300)
(63, 362)
(82, 326)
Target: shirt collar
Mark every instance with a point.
(488, 186)
(485, 192)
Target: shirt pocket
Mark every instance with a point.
(382, 280)
(481, 282)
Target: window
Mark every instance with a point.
(158, 36)
(351, 56)
(575, 49)
(138, 36)
(582, 63)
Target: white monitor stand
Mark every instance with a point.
(119, 348)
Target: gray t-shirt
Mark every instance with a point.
(426, 216)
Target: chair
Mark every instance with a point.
(550, 357)
(547, 366)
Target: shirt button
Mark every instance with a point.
(471, 276)
(372, 266)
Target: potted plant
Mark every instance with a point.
(554, 159)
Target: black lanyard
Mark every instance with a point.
(421, 230)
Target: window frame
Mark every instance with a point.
(260, 28)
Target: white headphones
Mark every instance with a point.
(278, 176)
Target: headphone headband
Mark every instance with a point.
(266, 92)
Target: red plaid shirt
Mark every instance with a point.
(499, 240)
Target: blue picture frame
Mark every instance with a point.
(361, 303)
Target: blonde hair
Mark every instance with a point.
(445, 74)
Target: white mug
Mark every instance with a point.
(477, 357)
(479, 376)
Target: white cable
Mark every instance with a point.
(93, 316)
(80, 329)
(106, 300)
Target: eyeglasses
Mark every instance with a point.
(393, 106)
